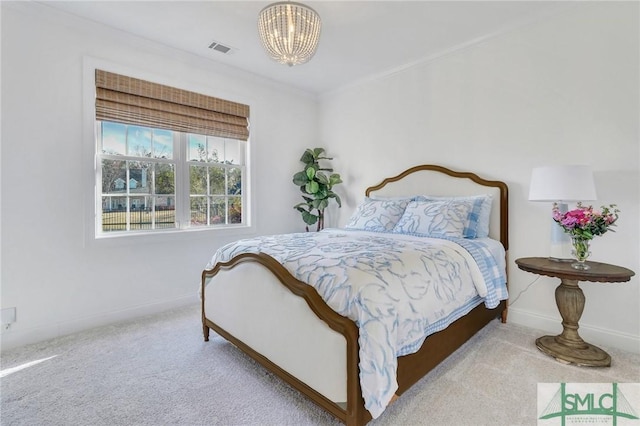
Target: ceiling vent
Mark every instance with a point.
(222, 48)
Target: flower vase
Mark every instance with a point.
(580, 252)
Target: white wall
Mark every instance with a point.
(58, 282)
(560, 91)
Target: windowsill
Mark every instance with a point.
(189, 234)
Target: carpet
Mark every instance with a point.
(158, 370)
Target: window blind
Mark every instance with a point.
(133, 101)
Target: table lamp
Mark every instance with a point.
(559, 184)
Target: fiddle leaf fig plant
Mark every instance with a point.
(316, 187)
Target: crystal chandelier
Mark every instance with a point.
(289, 32)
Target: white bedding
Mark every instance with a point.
(397, 288)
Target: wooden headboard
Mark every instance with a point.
(435, 180)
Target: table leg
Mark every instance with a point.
(570, 301)
(569, 346)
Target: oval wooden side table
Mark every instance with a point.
(568, 346)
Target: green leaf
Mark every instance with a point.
(322, 178)
(309, 218)
(337, 198)
(312, 187)
(300, 179)
(323, 192)
(308, 157)
(334, 179)
(323, 204)
(311, 172)
(317, 152)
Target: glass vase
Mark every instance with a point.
(580, 252)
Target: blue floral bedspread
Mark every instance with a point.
(397, 288)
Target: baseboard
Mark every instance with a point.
(13, 338)
(596, 335)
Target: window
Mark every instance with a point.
(163, 176)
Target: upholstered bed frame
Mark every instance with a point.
(311, 347)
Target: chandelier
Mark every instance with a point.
(289, 32)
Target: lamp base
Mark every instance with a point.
(560, 249)
(558, 259)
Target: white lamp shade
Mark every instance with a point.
(562, 183)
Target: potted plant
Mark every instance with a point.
(316, 187)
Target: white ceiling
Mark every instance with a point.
(359, 39)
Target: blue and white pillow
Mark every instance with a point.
(440, 218)
(377, 215)
(480, 216)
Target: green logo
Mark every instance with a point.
(588, 403)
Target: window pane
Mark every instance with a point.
(165, 203)
(235, 210)
(216, 181)
(114, 214)
(114, 137)
(138, 203)
(198, 180)
(165, 179)
(165, 212)
(198, 211)
(114, 176)
(215, 147)
(140, 217)
(139, 177)
(235, 181)
(110, 203)
(234, 151)
(197, 149)
(163, 144)
(217, 211)
(139, 141)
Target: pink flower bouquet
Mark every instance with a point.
(585, 222)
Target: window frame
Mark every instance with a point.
(92, 188)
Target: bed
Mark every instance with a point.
(254, 298)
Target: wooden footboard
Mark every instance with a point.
(352, 410)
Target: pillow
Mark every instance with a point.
(479, 223)
(440, 218)
(377, 215)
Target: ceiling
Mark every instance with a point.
(359, 40)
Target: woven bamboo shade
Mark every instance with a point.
(133, 101)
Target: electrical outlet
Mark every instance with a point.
(8, 316)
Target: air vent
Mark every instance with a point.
(222, 48)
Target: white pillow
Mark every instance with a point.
(478, 226)
(377, 215)
(444, 218)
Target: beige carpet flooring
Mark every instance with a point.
(159, 371)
